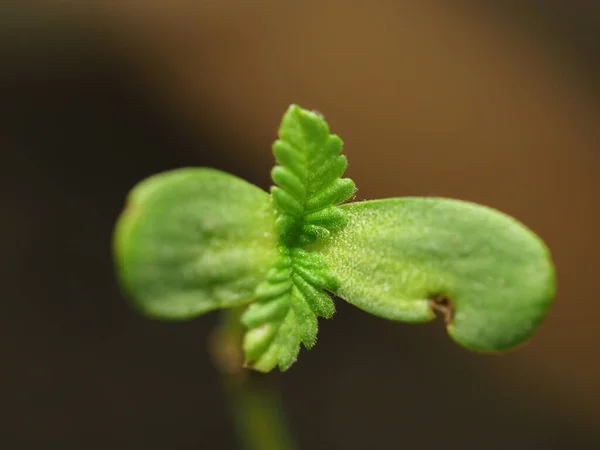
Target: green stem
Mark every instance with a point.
(259, 416)
(254, 398)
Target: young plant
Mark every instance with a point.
(196, 239)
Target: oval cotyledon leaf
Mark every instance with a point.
(193, 240)
(403, 258)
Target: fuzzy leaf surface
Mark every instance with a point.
(402, 258)
(309, 188)
(193, 240)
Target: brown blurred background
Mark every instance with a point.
(493, 102)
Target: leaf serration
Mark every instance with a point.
(307, 192)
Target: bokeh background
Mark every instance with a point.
(493, 102)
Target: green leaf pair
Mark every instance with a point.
(194, 240)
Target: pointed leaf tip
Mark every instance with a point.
(308, 191)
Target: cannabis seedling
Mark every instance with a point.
(195, 240)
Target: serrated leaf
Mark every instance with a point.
(310, 164)
(402, 258)
(285, 311)
(193, 240)
(309, 188)
(273, 344)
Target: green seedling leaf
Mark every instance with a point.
(193, 240)
(308, 189)
(404, 258)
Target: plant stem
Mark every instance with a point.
(254, 398)
(259, 418)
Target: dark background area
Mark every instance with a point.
(494, 103)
